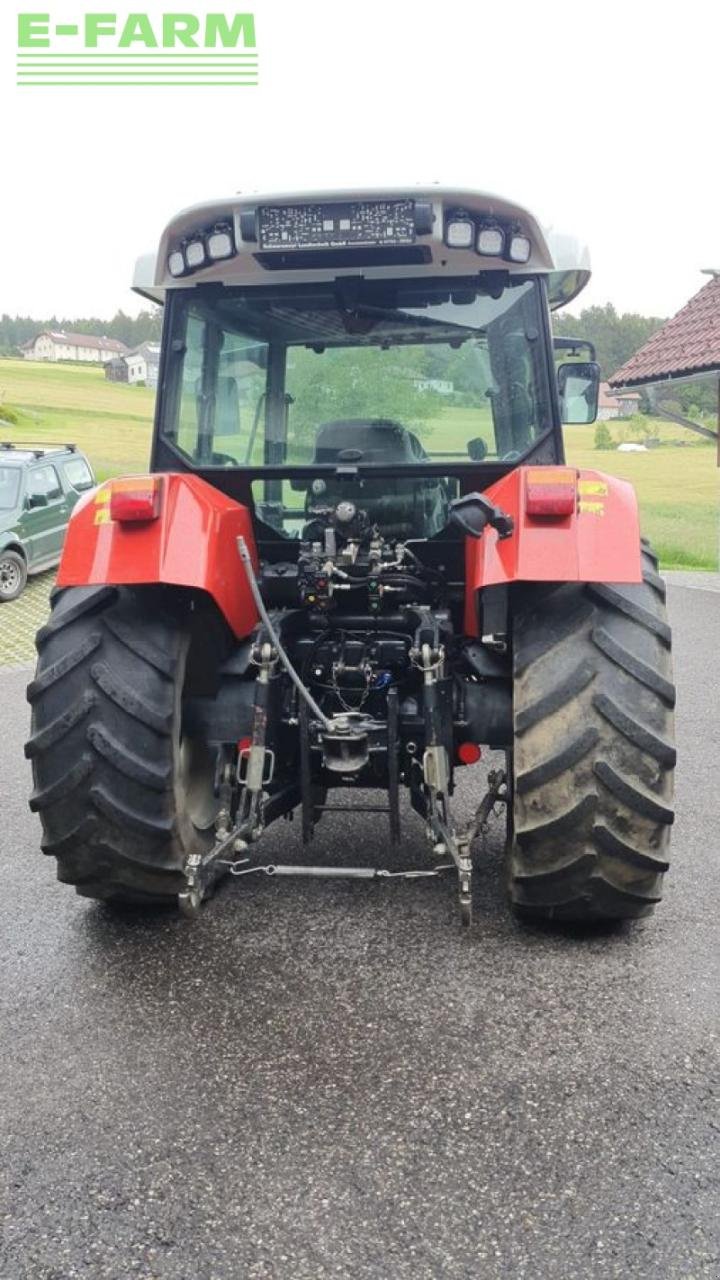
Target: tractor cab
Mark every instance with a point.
(375, 348)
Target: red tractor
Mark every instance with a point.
(359, 556)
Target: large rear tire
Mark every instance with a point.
(123, 795)
(593, 750)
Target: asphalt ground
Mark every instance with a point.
(329, 1080)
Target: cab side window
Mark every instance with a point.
(43, 482)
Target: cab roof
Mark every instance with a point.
(416, 248)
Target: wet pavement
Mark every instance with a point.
(330, 1080)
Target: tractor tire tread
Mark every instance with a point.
(551, 766)
(634, 730)
(58, 728)
(606, 841)
(125, 761)
(162, 661)
(104, 744)
(656, 581)
(528, 650)
(131, 702)
(44, 797)
(594, 751)
(55, 671)
(567, 687)
(125, 816)
(633, 797)
(622, 657)
(71, 604)
(618, 599)
(71, 838)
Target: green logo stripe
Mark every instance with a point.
(146, 84)
(33, 78)
(190, 57)
(64, 66)
(101, 65)
(63, 72)
(105, 74)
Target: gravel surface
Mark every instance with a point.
(329, 1080)
(21, 618)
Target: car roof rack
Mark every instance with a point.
(37, 447)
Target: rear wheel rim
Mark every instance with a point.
(10, 577)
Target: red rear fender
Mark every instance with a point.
(598, 541)
(192, 542)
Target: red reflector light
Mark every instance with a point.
(550, 492)
(134, 501)
(244, 744)
(469, 753)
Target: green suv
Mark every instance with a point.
(38, 490)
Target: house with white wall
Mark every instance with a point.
(442, 386)
(616, 404)
(82, 348)
(137, 366)
(143, 362)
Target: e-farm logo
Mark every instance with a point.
(134, 49)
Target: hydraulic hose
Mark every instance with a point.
(242, 546)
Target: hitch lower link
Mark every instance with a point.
(255, 769)
(436, 776)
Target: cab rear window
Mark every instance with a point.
(78, 474)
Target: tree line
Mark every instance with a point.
(132, 330)
(616, 338)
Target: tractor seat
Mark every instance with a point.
(378, 440)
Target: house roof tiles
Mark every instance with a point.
(688, 343)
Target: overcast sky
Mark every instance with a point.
(602, 118)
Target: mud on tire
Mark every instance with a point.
(593, 750)
(107, 749)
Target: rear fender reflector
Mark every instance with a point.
(551, 492)
(135, 501)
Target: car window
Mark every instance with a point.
(43, 482)
(79, 474)
(9, 484)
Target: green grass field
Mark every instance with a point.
(677, 487)
(110, 421)
(678, 490)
